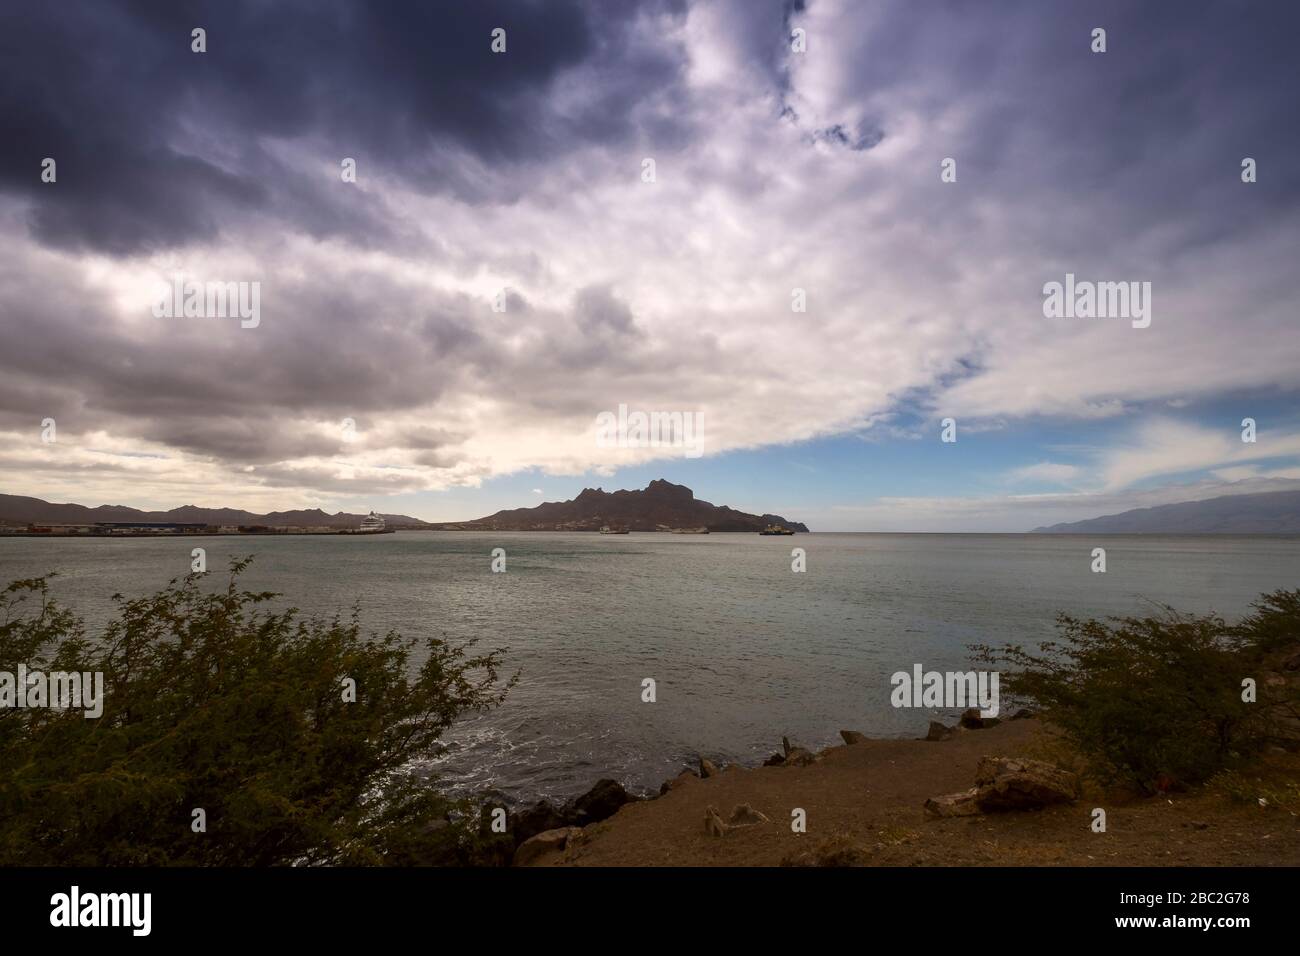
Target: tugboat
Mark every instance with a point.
(372, 524)
(776, 529)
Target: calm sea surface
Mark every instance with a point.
(742, 649)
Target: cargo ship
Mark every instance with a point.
(776, 529)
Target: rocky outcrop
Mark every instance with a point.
(547, 842)
(798, 757)
(742, 816)
(971, 720)
(962, 804)
(599, 803)
(538, 818)
(938, 731)
(1008, 783)
(708, 768)
(713, 824)
(660, 505)
(684, 777)
(851, 737)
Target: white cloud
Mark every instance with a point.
(915, 288)
(1045, 471)
(1017, 513)
(1163, 447)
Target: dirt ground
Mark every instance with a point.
(865, 801)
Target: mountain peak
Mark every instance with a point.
(660, 506)
(662, 487)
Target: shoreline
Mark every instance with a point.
(864, 803)
(194, 534)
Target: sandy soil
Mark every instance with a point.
(867, 799)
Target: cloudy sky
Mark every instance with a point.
(520, 177)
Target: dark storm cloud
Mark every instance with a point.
(435, 459)
(156, 145)
(244, 440)
(429, 438)
(328, 480)
(1155, 128)
(211, 388)
(1063, 154)
(857, 142)
(370, 349)
(601, 313)
(13, 461)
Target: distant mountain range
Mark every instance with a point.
(660, 505)
(1274, 512)
(18, 510)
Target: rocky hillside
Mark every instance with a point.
(20, 510)
(659, 506)
(1274, 512)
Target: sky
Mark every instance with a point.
(440, 334)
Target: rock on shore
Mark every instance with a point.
(599, 803)
(862, 804)
(1007, 783)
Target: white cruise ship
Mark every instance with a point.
(371, 524)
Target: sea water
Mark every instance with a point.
(742, 650)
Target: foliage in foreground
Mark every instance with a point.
(1157, 702)
(215, 701)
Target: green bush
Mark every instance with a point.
(1156, 701)
(1267, 794)
(1275, 623)
(214, 701)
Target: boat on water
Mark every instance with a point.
(776, 529)
(608, 530)
(372, 524)
(690, 530)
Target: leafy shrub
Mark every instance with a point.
(1156, 701)
(1275, 623)
(1268, 794)
(214, 701)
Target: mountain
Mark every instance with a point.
(19, 510)
(659, 505)
(1273, 512)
